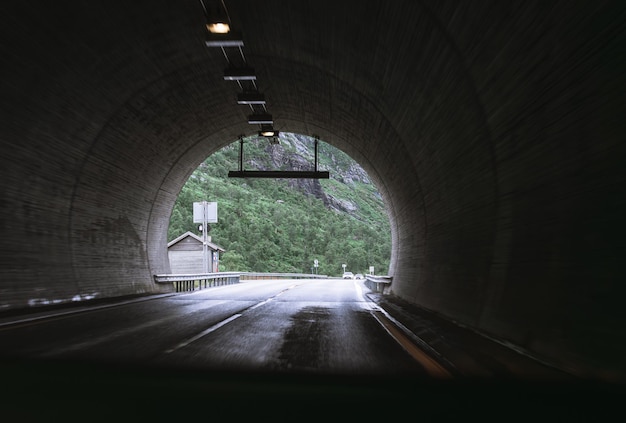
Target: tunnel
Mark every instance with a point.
(494, 132)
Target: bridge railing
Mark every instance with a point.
(192, 281)
(257, 275)
(195, 281)
(378, 283)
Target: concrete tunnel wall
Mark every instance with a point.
(494, 130)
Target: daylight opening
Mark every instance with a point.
(282, 225)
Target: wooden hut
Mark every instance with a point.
(185, 254)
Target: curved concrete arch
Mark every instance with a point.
(493, 130)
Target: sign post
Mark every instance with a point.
(205, 212)
(316, 264)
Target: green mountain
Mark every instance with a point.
(283, 225)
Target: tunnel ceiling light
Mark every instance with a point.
(229, 39)
(261, 119)
(218, 27)
(239, 74)
(250, 97)
(268, 131)
(217, 19)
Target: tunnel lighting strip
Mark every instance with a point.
(239, 70)
(231, 39)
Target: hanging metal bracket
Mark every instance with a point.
(290, 174)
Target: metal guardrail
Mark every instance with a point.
(255, 275)
(378, 283)
(192, 281)
(189, 282)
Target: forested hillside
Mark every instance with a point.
(283, 225)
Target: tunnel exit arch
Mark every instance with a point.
(292, 253)
(159, 135)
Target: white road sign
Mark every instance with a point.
(200, 208)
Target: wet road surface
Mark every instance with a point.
(278, 350)
(313, 325)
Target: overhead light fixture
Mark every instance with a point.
(217, 19)
(228, 39)
(218, 27)
(261, 119)
(268, 131)
(239, 74)
(250, 97)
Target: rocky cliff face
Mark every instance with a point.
(296, 152)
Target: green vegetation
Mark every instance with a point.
(281, 225)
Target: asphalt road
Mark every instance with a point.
(277, 350)
(318, 325)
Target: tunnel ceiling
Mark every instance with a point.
(492, 129)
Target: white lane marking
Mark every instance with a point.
(101, 339)
(203, 333)
(225, 321)
(260, 304)
(130, 330)
(83, 310)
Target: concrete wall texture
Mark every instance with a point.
(495, 132)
